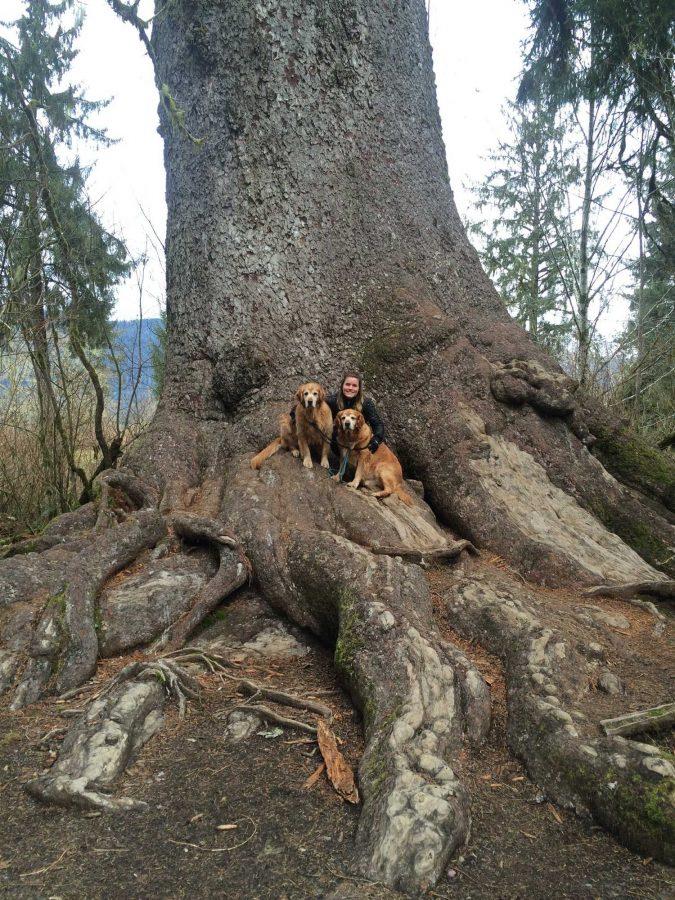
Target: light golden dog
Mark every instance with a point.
(380, 469)
(313, 427)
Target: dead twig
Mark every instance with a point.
(249, 687)
(270, 716)
(220, 849)
(46, 868)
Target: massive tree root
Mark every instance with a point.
(335, 562)
(305, 540)
(628, 787)
(51, 606)
(110, 733)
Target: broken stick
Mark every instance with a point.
(654, 719)
(250, 688)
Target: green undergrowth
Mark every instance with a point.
(218, 615)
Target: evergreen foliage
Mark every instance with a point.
(58, 264)
(647, 385)
(632, 43)
(520, 245)
(40, 168)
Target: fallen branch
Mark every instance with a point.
(338, 770)
(664, 590)
(450, 551)
(250, 688)
(270, 716)
(655, 719)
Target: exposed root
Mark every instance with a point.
(139, 494)
(64, 648)
(249, 688)
(234, 571)
(627, 790)
(64, 529)
(662, 590)
(658, 718)
(100, 745)
(106, 738)
(214, 662)
(474, 696)
(377, 609)
(269, 715)
(446, 552)
(177, 682)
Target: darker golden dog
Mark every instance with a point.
(312, 427)
(380, 469)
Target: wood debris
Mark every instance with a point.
(314, 777)
(339, 771)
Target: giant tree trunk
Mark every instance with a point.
(312, 229)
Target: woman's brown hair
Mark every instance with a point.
(358, 400)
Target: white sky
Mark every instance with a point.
(476, 57)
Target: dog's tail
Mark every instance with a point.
(404, 496)
(269, 450)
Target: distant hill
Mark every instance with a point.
(133, 345)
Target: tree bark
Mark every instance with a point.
(312, 229)
(583, 296)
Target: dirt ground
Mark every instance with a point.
(294, 842)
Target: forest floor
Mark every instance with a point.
(294, 842)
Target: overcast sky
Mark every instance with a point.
(476, 58)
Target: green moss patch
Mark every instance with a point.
(634, 462)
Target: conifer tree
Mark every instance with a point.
(58, 263)
(519, 240)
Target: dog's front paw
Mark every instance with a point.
(325, 464)
(307, 463)
(295, 453)
(353, 485)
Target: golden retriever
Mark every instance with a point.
(313, 427)
(380, 469)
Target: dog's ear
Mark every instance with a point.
(360, 420)
(298, 393)
(322, 394)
